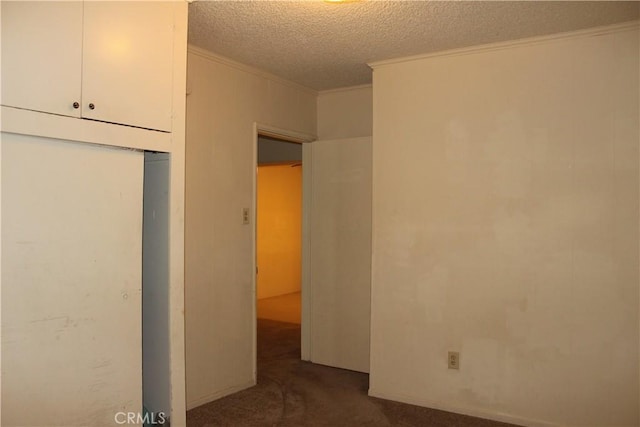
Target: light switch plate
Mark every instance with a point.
(245, 215)
(454, 360)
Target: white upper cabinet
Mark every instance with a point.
(128, 63)
(42, 56)
(106, 61)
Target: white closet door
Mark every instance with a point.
(340, 252)
(42, 55)
(128, 63)
(71, 282)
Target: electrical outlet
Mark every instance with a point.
(454, 360)
(245, 215)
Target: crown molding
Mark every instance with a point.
(345, 89)
(247, 68)
(529, 41)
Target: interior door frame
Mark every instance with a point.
(305, 139)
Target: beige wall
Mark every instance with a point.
(279, 227)
(224, 101)
(345, 113)
(505, 218)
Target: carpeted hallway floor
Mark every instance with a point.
(291, 392)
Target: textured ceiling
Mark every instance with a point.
(325, 45)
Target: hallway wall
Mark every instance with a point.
(345, 112)
(279, 230)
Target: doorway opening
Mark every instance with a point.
(279, 230)
(279, 243)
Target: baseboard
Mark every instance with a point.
(464, 410)
(219, 394)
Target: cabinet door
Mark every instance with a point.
(42, 55)
(128, 63)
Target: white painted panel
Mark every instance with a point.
(155, 284)
(340, 260)
(71, 282)
(42, 55)
(128, 63)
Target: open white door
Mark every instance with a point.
(339, 259)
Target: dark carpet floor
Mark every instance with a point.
(291, 392)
